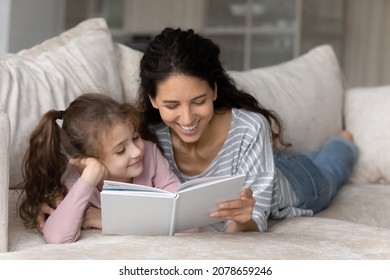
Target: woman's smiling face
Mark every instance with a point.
(186, 105)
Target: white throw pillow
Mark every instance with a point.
(367, 117)
(51, 75)
(129, 62)
(307, 93)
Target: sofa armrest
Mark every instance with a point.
(4, 179)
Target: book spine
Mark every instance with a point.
(173, 217)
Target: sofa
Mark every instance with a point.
(309, 92)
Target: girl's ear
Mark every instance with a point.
(153, 101)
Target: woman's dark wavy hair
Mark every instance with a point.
(176, 51)
(84, 124)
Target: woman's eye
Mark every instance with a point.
(200, 102)
(173, 106)
(122, 151)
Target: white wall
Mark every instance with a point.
(142, 16)
(5, 6)
(367, 43)
(30, 22)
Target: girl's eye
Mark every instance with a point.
(122, 151)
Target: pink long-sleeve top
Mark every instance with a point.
(64, 224)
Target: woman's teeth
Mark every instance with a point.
(189, 128)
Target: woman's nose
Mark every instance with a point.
(186, 116)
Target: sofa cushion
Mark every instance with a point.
(318, 237)
(367, 117)
(52, 74)
(360, 203)
(307, 93)
(129, 61)
(4, 180)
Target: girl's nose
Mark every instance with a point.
(135, 151)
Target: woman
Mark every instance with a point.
(206, 126)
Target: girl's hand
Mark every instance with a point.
(239, 212)
(92, 218)
(92, 170)
(46, 210)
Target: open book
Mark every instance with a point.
(141, 210)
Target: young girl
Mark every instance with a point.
(98, 140)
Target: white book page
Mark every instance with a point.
(120, 186)
(137, 193)
(194, 205)
(200, 181)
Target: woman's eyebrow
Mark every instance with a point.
(169, 101)
(175, 101)
(200, 96)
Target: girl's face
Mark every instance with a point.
(186, 105)
(123, 152)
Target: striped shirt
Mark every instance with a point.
(247, 150)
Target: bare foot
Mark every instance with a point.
(346, 134)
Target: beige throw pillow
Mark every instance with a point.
(129, 61)
(51, 75)
(307, 93)
(367, 117)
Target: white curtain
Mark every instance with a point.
(367, 43)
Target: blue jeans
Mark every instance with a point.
(317, 176)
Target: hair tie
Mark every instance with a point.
(60, 115)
